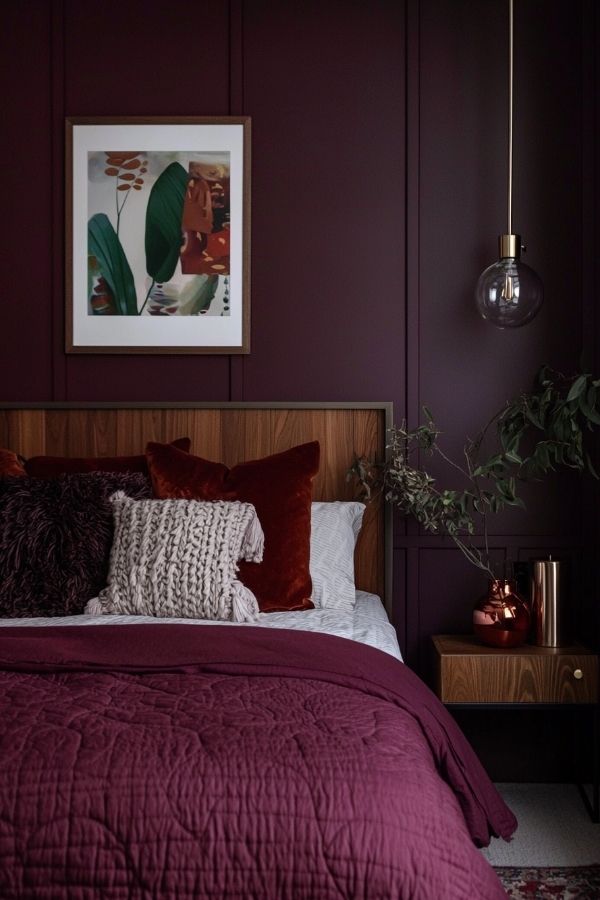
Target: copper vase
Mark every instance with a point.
(501, 617)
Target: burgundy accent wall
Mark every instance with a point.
(465, 369)
(378, 191)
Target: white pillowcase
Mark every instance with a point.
(334, 531)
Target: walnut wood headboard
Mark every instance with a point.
(231, 433)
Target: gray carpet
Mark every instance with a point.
(554, 828)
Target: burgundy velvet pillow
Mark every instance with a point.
(280, 487)
(52, 466)
(55, 540)
(10, 464)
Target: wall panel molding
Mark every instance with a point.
(57, 166)
(236, 108)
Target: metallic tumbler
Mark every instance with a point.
(549, 626)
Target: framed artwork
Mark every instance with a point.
(158, 237)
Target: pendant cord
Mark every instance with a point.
(510, 112)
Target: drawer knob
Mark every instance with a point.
(578, 674)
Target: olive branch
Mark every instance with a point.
(537, 433)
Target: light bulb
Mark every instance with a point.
(509, 293)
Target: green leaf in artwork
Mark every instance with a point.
(90, 277)
(104, 244)
(198, 294)
(163, 222)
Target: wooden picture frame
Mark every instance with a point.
(158, 239)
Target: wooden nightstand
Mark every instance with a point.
(468, 674)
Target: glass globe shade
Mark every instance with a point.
(509, 294)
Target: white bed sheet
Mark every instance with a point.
(367, 622)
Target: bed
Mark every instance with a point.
(290, 756)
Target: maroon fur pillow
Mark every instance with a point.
(280, 487)
(55, 540)
(51, 466)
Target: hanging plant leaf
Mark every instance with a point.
(587, 405)
(104, 244)
(163, 222)
(577, 387)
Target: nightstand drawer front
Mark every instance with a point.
(519, 679)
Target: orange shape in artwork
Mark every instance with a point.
(197, 259)
(217, 245)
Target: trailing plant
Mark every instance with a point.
(537, 433)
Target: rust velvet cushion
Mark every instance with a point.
(279, 487)
(53, 466)
(10, 464)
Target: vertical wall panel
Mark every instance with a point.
(458, 365)
(147, 57)
(324, 83)
(463, 171)
(26, 231)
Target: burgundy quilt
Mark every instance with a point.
(176, 761)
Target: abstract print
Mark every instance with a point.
(158, 233)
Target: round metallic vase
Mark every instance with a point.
(501, 617)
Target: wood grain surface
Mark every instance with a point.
(228, 434)
(467, 672)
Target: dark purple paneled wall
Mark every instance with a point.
(466, 369)
(378, 148)
(324, 83)
(28, 348)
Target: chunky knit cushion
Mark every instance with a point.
(279, 487)
(179, 558)
(55, 540)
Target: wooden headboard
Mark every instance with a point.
(230, 433)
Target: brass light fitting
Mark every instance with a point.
(509, 246)
(509, 294)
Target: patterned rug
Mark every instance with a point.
(578, 883)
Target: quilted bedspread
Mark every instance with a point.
(181, 762)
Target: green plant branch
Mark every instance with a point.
(471, 451)
(473, 555)
(150, 289)
(555, 416)
(121, 208)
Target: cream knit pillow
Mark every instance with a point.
(179, 558)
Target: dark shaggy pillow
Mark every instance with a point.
(55, 540)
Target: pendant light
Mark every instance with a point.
(509, 294)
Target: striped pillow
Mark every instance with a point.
(334, 531)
